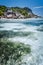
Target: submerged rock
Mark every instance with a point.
(40, 28)
(10, 52)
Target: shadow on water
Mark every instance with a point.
(34, 23)
(28, 22)
(40, 28)
(1, 27)
(10, 34)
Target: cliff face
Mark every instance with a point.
(24, 12)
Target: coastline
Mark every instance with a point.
(18, 20)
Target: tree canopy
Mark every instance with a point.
(24, 11)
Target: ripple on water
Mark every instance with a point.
(30, 32)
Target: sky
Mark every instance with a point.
(35, 5)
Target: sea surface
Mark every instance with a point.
(28, 32)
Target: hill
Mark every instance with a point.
(19, 12)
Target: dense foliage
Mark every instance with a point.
(23, 11)
(20, 10)
(2, 10)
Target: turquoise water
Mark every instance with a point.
(29, 32)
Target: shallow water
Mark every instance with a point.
(28, 32)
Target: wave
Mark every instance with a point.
(29, 32)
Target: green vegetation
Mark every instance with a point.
(2, 10)
(1, 13)
(12, 51)
(24, 11)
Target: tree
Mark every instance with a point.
(1, 13)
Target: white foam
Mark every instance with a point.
(19, 20)
(35, 40)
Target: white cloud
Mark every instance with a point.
(38, 7)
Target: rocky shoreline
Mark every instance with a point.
(17, 13)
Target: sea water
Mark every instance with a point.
(28, 32)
